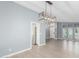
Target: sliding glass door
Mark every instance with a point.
(76, 33)
(70, 33)
(65, 33)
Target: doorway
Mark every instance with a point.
(38, 37)
(34, 34)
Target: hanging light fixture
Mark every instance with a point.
(45, 16)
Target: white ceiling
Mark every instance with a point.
(63, 10)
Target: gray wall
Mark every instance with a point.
(59, 30)
(47, 32)
(15, 22)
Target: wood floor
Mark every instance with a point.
(53, 49)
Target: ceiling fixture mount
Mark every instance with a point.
(49, 2)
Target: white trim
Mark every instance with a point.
(16, 53)
(38, 33)
(31, 33)
(42, 44)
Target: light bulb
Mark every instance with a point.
(48, 18)
(45, 18)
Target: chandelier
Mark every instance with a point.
(44, 15)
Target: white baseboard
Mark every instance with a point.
(42, 44)
(16, 53)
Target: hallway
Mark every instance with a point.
(54, 49)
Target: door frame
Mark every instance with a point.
(38, 34)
